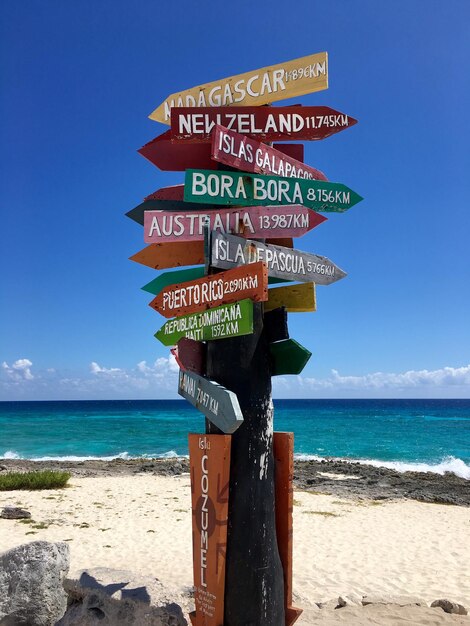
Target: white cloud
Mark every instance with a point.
(159, 380)
(19, 370)
(412, 379)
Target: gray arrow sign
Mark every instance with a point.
(229, 251)
(217, 403)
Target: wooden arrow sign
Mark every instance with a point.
(288, 357)
(303, 123)
(250, 281)
(275, 324)
(191, 273)
(277, 82)
(160, 256)
(250, 155)
(229, 251)
(166, 279)
(295, 298)
(283, 449)
(209, 458)
(227, 320)
(255, 221)
(237, 188)
(217, 403)
(190, 355)
(138, 212)
(177, 156)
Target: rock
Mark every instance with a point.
(14, 512)
(350, 599)
(329, 605)
(386, 598)
(109, 597)
(31, 592)
(450, 607)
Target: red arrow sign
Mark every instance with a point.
(255, 221)
(177, 156)
(190, 355)
(247, 281)
(251, 155)
(263, 123)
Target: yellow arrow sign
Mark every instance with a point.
(296, 298)
(269, 84)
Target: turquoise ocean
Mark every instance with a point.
(420, 435)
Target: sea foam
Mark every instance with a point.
(448, 464)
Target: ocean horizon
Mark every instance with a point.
(405, 435)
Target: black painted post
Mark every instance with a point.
(254, 580)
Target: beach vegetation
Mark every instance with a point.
(42, 479)
(296, 502)
(26, 521)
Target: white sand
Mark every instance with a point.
(143, 523)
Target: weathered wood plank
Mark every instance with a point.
(302, 123)
(209, 458)
(190, 355)
(283, 448)
(160, 256)
(227, 320)
(256, 221)
(217, 403)
(238, 188)
(229, 251)
(250, 155)
(288, 357)
(295, 298)
(250, 281)
(268, 84)
(177, 156)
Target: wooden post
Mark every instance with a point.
(254, 584)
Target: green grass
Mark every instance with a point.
(44, 479)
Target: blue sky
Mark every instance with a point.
(78, 82)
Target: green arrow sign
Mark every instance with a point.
(227, 320)
(241, 189)
(182, 276)
(288, 357)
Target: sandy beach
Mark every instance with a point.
(342, 545)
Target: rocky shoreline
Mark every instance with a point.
(328, 476)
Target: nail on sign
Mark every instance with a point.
(242, 189)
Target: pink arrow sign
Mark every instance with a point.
(249, 155)
(178, 156)
(249, 222)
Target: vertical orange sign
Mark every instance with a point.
(210, 472)
(283, 447)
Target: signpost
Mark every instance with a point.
(276, 82)
(250, 155)
(177, 156)
(263, 123)
(229, 251)
(160, 256)
(256, 221)
(294, 298)
(227, 320)
(217, 403)
(250, 281)
(241, 189)
(242, 548)
(209, 458)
